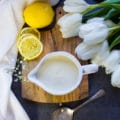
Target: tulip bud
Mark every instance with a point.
(96, 19)
(115, 79)
(102, 54)
(108, 23)
(74, 6)
(85, 52)
(112, 61)
(94, 31)
(69, 25)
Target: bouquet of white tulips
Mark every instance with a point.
(98, 25)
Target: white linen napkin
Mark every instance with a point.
(11, 21)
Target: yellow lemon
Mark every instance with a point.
(38, 14)
(30, 47)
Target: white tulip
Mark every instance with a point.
(94, 31)
(74, 6)
(102, 54)
(115, 79)
(112, 61)
(67, 34)
(69, 25)
(85, 52)
(96, 19)
(108, 23)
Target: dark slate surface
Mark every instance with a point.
(105, 108)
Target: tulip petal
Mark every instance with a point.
(112, 61)
(69, 19)
(115, 79)
(69, 33)
(102, 54)
(69, 25)
(73, 9)
(93, 33)
(74, 6)
(108, 23)
(96, 19)
(94, 38)
(86, 52)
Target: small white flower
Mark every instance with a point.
(74, 6)
(112, 61)
(102, 54)
(94, 31)
(115, 79)
(85, 52)
(69, 25)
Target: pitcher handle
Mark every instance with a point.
(88, 69)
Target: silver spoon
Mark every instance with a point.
(65, 113)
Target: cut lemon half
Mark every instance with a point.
(30, 47)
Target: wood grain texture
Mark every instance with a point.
(53, 41)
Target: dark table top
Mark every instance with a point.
(105, 108)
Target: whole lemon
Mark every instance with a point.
(38, 14)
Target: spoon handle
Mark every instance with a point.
(97, 95)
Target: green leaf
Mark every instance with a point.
(111, 13)
(91, 8)
(96, 13)
(116, 6)
(110, 2)
(116, 18)
(115, 42)
(112, 35)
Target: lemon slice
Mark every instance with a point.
(29, 31)
(30, 47)
(24, 36)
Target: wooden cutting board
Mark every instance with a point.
(53, 41)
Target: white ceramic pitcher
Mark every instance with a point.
(60, 73)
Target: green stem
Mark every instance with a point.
(114, 28)
(115, 42)
(91, 7)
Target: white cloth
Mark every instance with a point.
(11, 21)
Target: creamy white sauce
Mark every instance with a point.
(58, 73)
